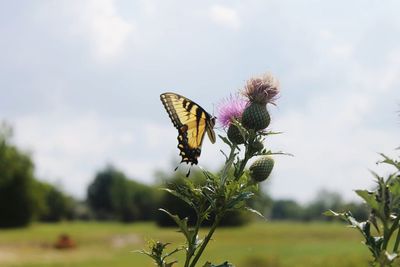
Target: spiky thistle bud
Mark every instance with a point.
(259, 91)
(256, 117)
(234, 134)
(261, 168)
(257, 146)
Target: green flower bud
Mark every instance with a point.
(256, 117)
(261, 168)
(234, 134)
(257, 146)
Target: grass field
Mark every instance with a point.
(267, 244)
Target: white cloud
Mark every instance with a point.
(156, 135)
(342, 50)
(73, 148)
(225, 16)
(99, 23)
(332, 144)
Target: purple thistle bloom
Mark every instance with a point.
(230, 108)
(263, 89)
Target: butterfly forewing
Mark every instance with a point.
(191, 120)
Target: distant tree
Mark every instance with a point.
(17, 199)
(145, 198)
(324, 200)
(55, 205)
(99, 194)
(113, 196)
(286, 210)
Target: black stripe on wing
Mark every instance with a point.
(184, 112)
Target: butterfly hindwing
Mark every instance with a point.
(192, 121)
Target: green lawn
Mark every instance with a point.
(258, 245)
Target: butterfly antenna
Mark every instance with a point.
(213, 114)
(188, 173)
(176, 168)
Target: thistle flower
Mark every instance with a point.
(229, 109)
(262, 90)
(259, 91)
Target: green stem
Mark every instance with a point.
(395, 226)
(243, 163)
(386, 235)
(187, 260)
(247, 155)
(192, 245)
(206, 240)
(229, 162)
(396, 244)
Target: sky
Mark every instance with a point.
(80, 82)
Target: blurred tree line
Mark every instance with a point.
(113, 196)
(286, 209)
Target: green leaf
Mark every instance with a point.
(390, 161)
(395, 186)
(369, 198)
(255, 212)
(331, 213)
(156, 250)
(179, 195)
(142, 251)
(209, 196)
(225, 264)
(209, 175)
(347, 216)
(170, 264)
(223, 153)
(269, 152)
(269, 133)
(226, 140)
(172, 252)
(239, 199)
(182, 224)
(391, 257)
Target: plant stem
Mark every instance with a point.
(243, 163)
(228, 164)
(206, 240)
(187, 259)
(190, 251)
(247, 155)
(393, 228)
(386, 235)
(396, 244)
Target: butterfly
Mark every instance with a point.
(192, 122)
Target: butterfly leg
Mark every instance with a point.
(188, 173)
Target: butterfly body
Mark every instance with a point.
(192, 122)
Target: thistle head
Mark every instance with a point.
(262, 90)
(261, 168)
(229, 109)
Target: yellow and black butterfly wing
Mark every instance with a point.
(192, 122)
